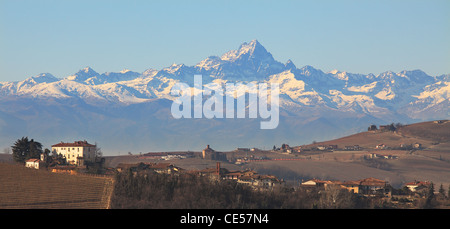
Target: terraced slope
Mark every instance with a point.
(26, 188)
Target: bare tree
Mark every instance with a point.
(98, 151)
(335, 197)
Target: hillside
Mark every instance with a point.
(431, 135)
(429, 163)
(25, 188)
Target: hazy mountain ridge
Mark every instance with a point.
(307, 96)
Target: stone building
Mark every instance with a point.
(209, 153)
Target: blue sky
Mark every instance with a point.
(61, 37)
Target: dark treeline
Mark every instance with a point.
(162, 191)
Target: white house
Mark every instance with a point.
(76, 152)
(33, 163)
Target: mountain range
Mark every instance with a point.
(129, 111)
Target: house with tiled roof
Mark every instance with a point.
(372, 185)
(414, 185)
(322, 184)
(368, 186)
(76, 153)
(166, 168)
(351, 186)
(33, 163)
(314, 183)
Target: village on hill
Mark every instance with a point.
(83, 158)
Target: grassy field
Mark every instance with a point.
(25, 188)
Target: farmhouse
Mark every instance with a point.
(33, 163)
(372, 185)
(414, 186)
(316, 183)
(77, 152)
(37, 163)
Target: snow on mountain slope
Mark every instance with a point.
(110, 77)
(366, 88)
(41, 78)
(434, 94)
(120, 93)
(362, 103)
(248, 63)
(297, 90)
(251, 62)
(127, 106)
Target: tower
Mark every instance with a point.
(218, 168)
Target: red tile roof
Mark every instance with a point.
(372, 182)
(33, 160)
(74, 144)
(418, 183)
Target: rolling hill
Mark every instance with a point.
(431, 162)
(432, 135)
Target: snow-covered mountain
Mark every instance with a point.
(309, 98)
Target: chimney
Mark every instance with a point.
(218, 168)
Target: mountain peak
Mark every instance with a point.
(87, 70)
(252, 47)
(83, 74)
(290, 65)
(253, 44)
(250, 50)
(41, 78)
(125, 71)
